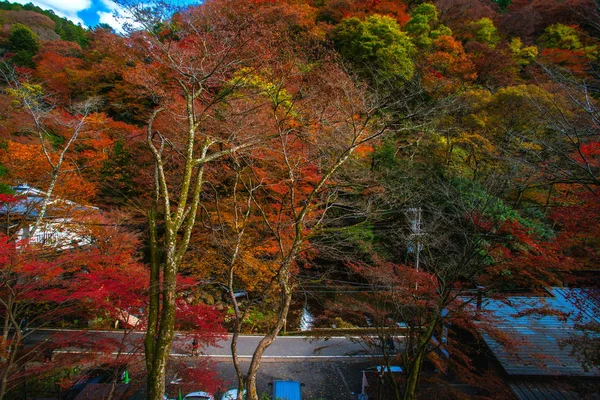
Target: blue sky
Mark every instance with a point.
(88, 12)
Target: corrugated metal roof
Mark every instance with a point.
(546, 390)
(31, 200)
(286, 390)
(539, 334)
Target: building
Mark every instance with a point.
(539, 364)
(61, 226)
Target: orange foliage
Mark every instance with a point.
(449, 67)
(26, 163)
(394, 9)
(59, 73)
(60, 47)
(576, 61)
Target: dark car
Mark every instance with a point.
(102, 374)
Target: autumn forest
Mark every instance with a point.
(221, 169)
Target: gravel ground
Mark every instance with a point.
(324, 380)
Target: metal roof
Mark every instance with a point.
(538, 334)
(30, 201)
(287, 390)
(546, 390)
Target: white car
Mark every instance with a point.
(232, 395)
(198, 396)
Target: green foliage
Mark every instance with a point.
(477, 197)
(23, 59)
(167, 30)
(117, 173)
(503, 4)
(257, 319)
(56, 140)
(376, 46)
(360, 236)
(106, 27)
(559, 36)
(341, 324)
(384, 156)
(24, 43)
(70, 32)
(485, 32)
(23, 39)
(4, 188)
(521, 54)
(424, 26)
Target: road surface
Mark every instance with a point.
(284, 347)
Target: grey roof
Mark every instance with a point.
(32, 199)
(538, 334)
(546, 390)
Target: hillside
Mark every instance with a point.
(384, 164)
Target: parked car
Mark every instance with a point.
(232, 395)
(102, 374)
(287, 390)
(199, 396)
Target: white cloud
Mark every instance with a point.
(109, 18)
(116, 17)
(67, 6)
(63, 8)
(111, 5)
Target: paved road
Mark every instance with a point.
(289, 347)
(284, 347)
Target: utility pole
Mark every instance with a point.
(415, 245)
(415, 236)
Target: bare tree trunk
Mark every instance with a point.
(179, 208)
(12, 350)
(237, 326)
(268, 339)
(414, 370)
(154, 295)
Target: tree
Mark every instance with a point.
(523, 55)
(396, 10)
(560, 36)
(458, 14)
(23, 39)
(295, 177)
(189, 72)
(528, 19)
(26, 277)
(450, 69)
(450, 235)
(377, 47)
(24, 43)
(55, 133)
(424, 26)
(484, 31)
(568, 113)
(44, 285)
(59, 71)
